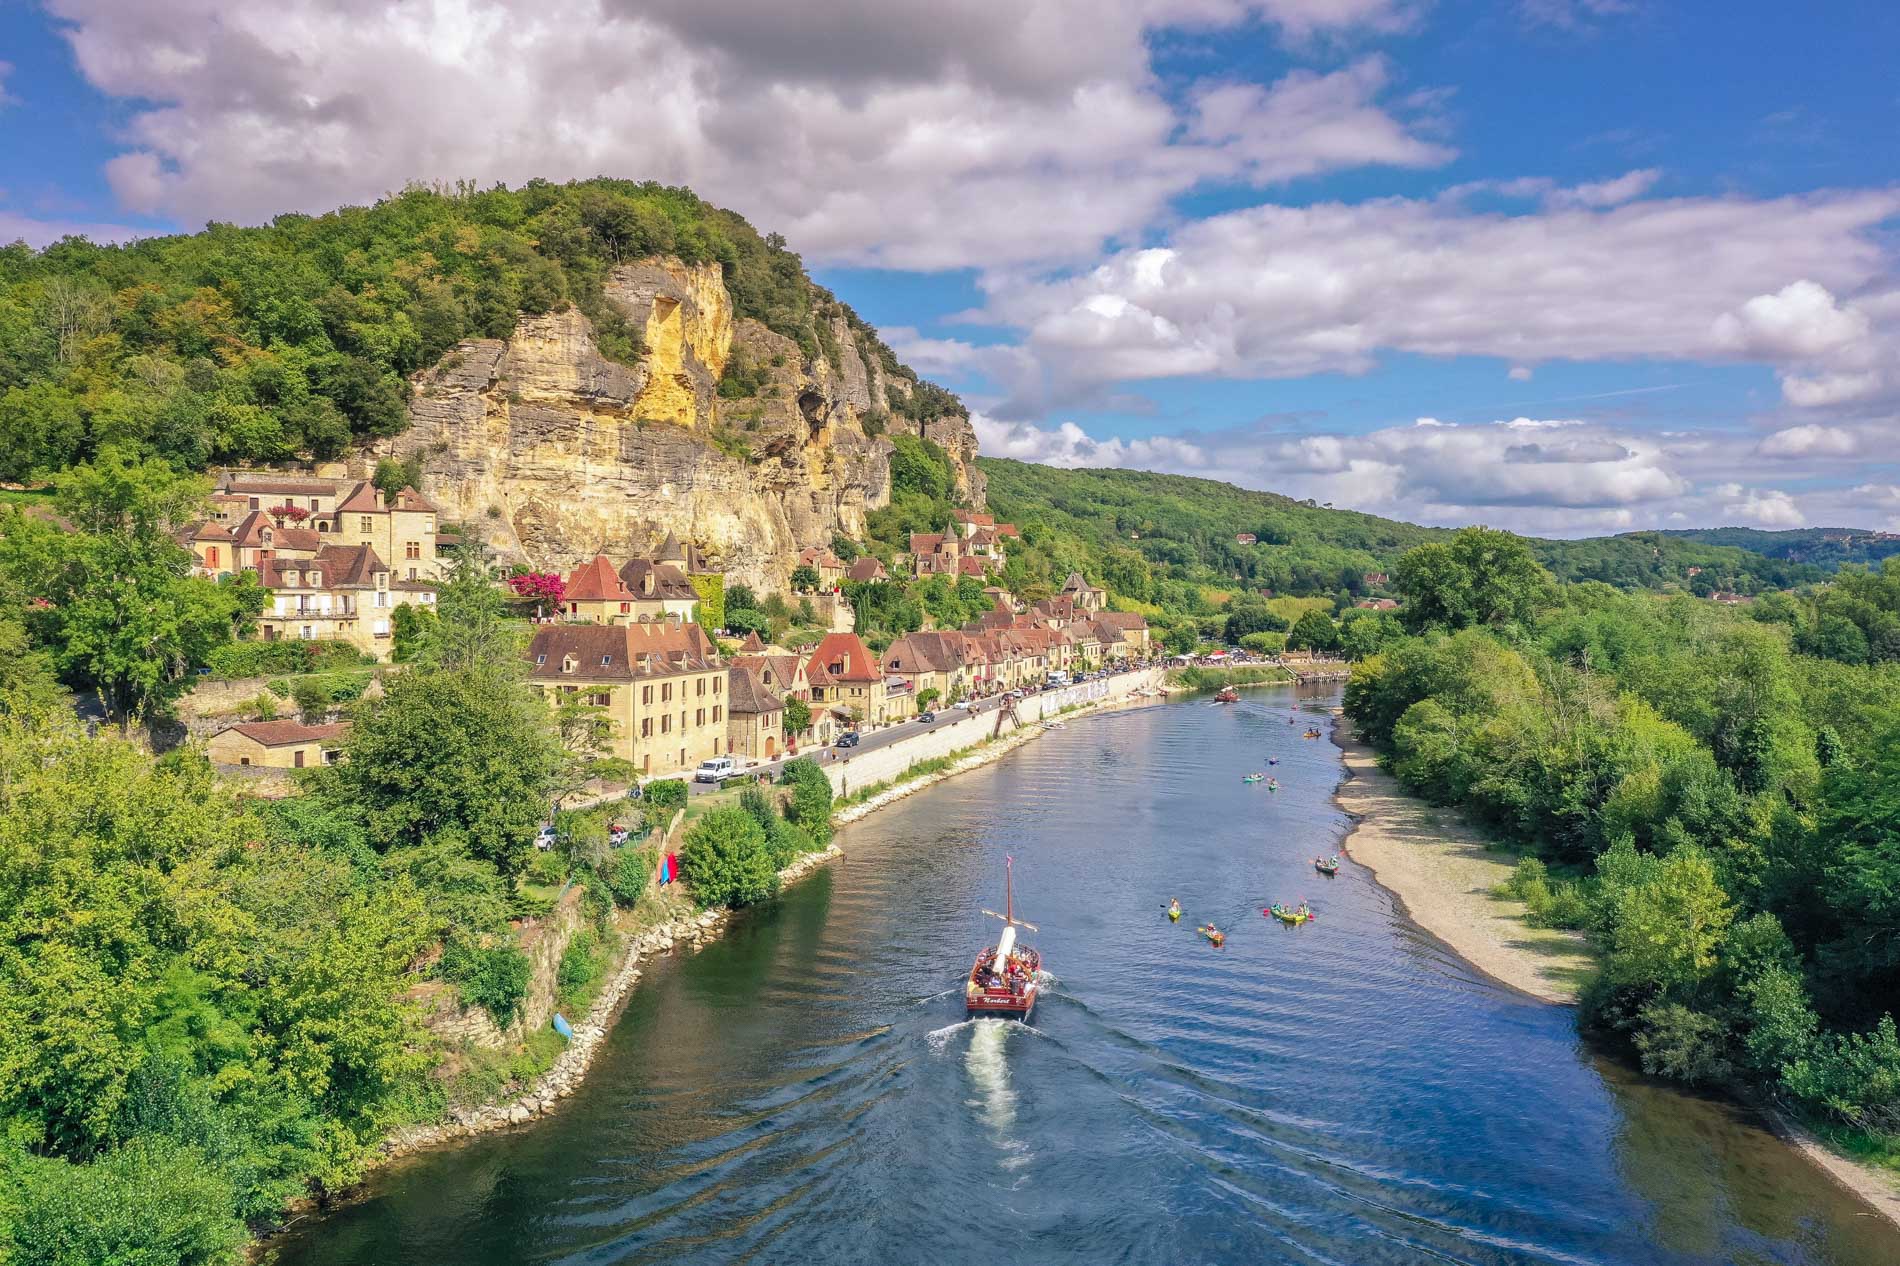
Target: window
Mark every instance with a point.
(411, 549)
(666, 723)
(702, 686)
(601, 698)
(211, 556)
(296, 758)
(625, 607)
(715, 714)
(646, 727)
(666, 691)
(412, 573)
(365, 524)
(646, 695)
(699, 716)
(540, 659)
(717, 680)
(254, 506)
(244, 760)
(606, 660)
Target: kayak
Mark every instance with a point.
(1251, 778)
(1326, 866)
(1174, 915)
(1214, 935)
(1287, 916)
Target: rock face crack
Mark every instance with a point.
(551, 452)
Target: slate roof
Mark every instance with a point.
(867, 568)
(625, 652)
(669, 582)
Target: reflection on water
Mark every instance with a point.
(807, 1089)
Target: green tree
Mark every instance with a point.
(1482, 576)
(471, 628)
(804, 579)
(467, 756)
(810, 805)
(797, 715)
(1314, 630)
(724, 857)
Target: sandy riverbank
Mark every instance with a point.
(1443, 871)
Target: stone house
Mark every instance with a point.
(338, 593)
(661, 683)
(1087, 597)
(786, 677)
(278, 744)
(1131, 627)
(829, 566)
(932, 661)
(755, 717)
(854, 684)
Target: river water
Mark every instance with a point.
(806, 1089)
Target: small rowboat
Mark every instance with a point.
(1286, 914)
(1327, 865)
(1227, 694)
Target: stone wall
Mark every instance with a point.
(885, 763)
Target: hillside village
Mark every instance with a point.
(624, 632)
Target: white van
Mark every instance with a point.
(718, 769)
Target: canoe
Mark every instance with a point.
(1326, 868)
(1288, 916)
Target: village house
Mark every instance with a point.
(1131, 628)
(641, 590)
(830, 568)
(786, 677)
(278, 744)
(1375, 579)
(1245, 538)
(754, 716)
(1087, 597)
(341, 593)
(402, 529)
(854, 685)
(932, 663)
(661, 683)
(866, 569)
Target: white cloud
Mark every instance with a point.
(1822, 390)
(909, 133)
(1760, 507)
(1607, 193)
(1277, 291)
(1572, 15)
(35, 231)
(1519, 373)
(1811, 440)
(1069, 445)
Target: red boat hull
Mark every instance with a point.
(1002, 1003)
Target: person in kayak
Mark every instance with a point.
(1174, 910)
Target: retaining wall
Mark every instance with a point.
(885, 763)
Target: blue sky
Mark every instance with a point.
(1567, 266)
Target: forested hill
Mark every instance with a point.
(1186, 528)
(1827, 547)
(294, 339)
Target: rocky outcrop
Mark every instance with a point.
(552, 452)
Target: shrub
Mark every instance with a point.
(725, 858)
(314, 697)
(144, 1204)
(264, 707)
(785, 842)
(660, 799)
(628, 873)
(493, 977)
(810, 807)
(256, 659)
(1681, 1043)
(578, 963)
(547, 867)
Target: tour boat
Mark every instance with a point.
(1003, 979)
(1227, 694)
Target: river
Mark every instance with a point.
(806, 1090)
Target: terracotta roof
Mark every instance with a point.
(299, 538)
(285, 733)
(867, 568)
(408, 498)
(972, 516)
(817, 674)
(746, 692)
(352, 566)
(849, 651)
(1121, 620)
(1008, 529)
(925, 542)
(780, 672)
(752, 644)
(362, 500)
(972, 566)
(597, 581)
(936, 652)
(660, 648)
(207, 531)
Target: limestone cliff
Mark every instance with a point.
(552, 452)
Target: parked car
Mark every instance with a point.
(545, 837)
(926, 717)
(617, 834)
(964, 703)
(718, 769)
(850, 738)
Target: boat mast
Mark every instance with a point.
(1009, 889)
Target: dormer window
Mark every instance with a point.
(605, 660)
(540, 659)
(569, 663)
(264, 536)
